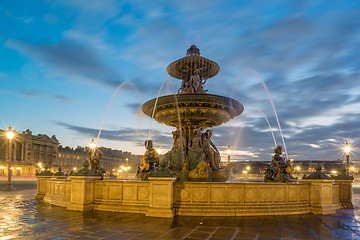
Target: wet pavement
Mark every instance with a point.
(22, 217)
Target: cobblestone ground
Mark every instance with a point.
(22, 217)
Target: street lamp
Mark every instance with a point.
(9, 135)
(228, 151)
(92, 146)
(158, 150)
(347, 150)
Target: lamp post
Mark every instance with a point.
(10, 135)
(347, 150)
(228, 151)
(92, 146)
(158, 150)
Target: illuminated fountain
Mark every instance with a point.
(192, 111)
(195, 158)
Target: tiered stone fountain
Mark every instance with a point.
(192, 112)
(194, 157)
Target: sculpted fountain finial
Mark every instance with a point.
(193, 51)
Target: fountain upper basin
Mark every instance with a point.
(194, 110)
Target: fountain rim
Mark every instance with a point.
(237, 107)
(176, 74)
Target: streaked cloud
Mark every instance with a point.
(306, 52)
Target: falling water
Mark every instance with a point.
(272, 133)
(153, 113)
(273, 106)
(111, 100)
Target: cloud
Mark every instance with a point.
(70, 58)
(24, 20)
(63, 98)
(2, 74)
(134, 135)
(35, 93)
(51, 18)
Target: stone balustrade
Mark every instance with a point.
(162, 197)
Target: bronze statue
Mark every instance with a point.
(176, 156)
(278, 170)
(95, 164)
(150, 161)
(211, 152)
(196, 149)
(192, 83)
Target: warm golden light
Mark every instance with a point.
(334, 172)
(347, 148)
(10, 134)
(228, 150)
(244, 172)
(74, 168)
(298, 168)
(92, 144)
(352, 168)
(158, 149)
(248, 168)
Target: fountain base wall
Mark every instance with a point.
(162, 197)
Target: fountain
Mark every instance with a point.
(194, 157)
(199, 187)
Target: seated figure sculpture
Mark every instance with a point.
(150, 161)
(211, 152)
(95, 163)
(279, 169)
(196, 149)
(176, 156)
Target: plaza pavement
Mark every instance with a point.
(22, 217)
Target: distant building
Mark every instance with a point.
(30, 151)
(70, 159)
(303, 166)
(27, 151)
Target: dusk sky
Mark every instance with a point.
(61, 62)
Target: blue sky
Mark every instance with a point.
(61, 62)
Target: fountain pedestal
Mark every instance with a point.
(322, 200)
(161, 197)
(41, 186)
(345, 188)
(82, 193)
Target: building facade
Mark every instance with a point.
(32, 153)
(27, 151)
(70, 159)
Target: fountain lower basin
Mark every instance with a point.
(162, 197)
